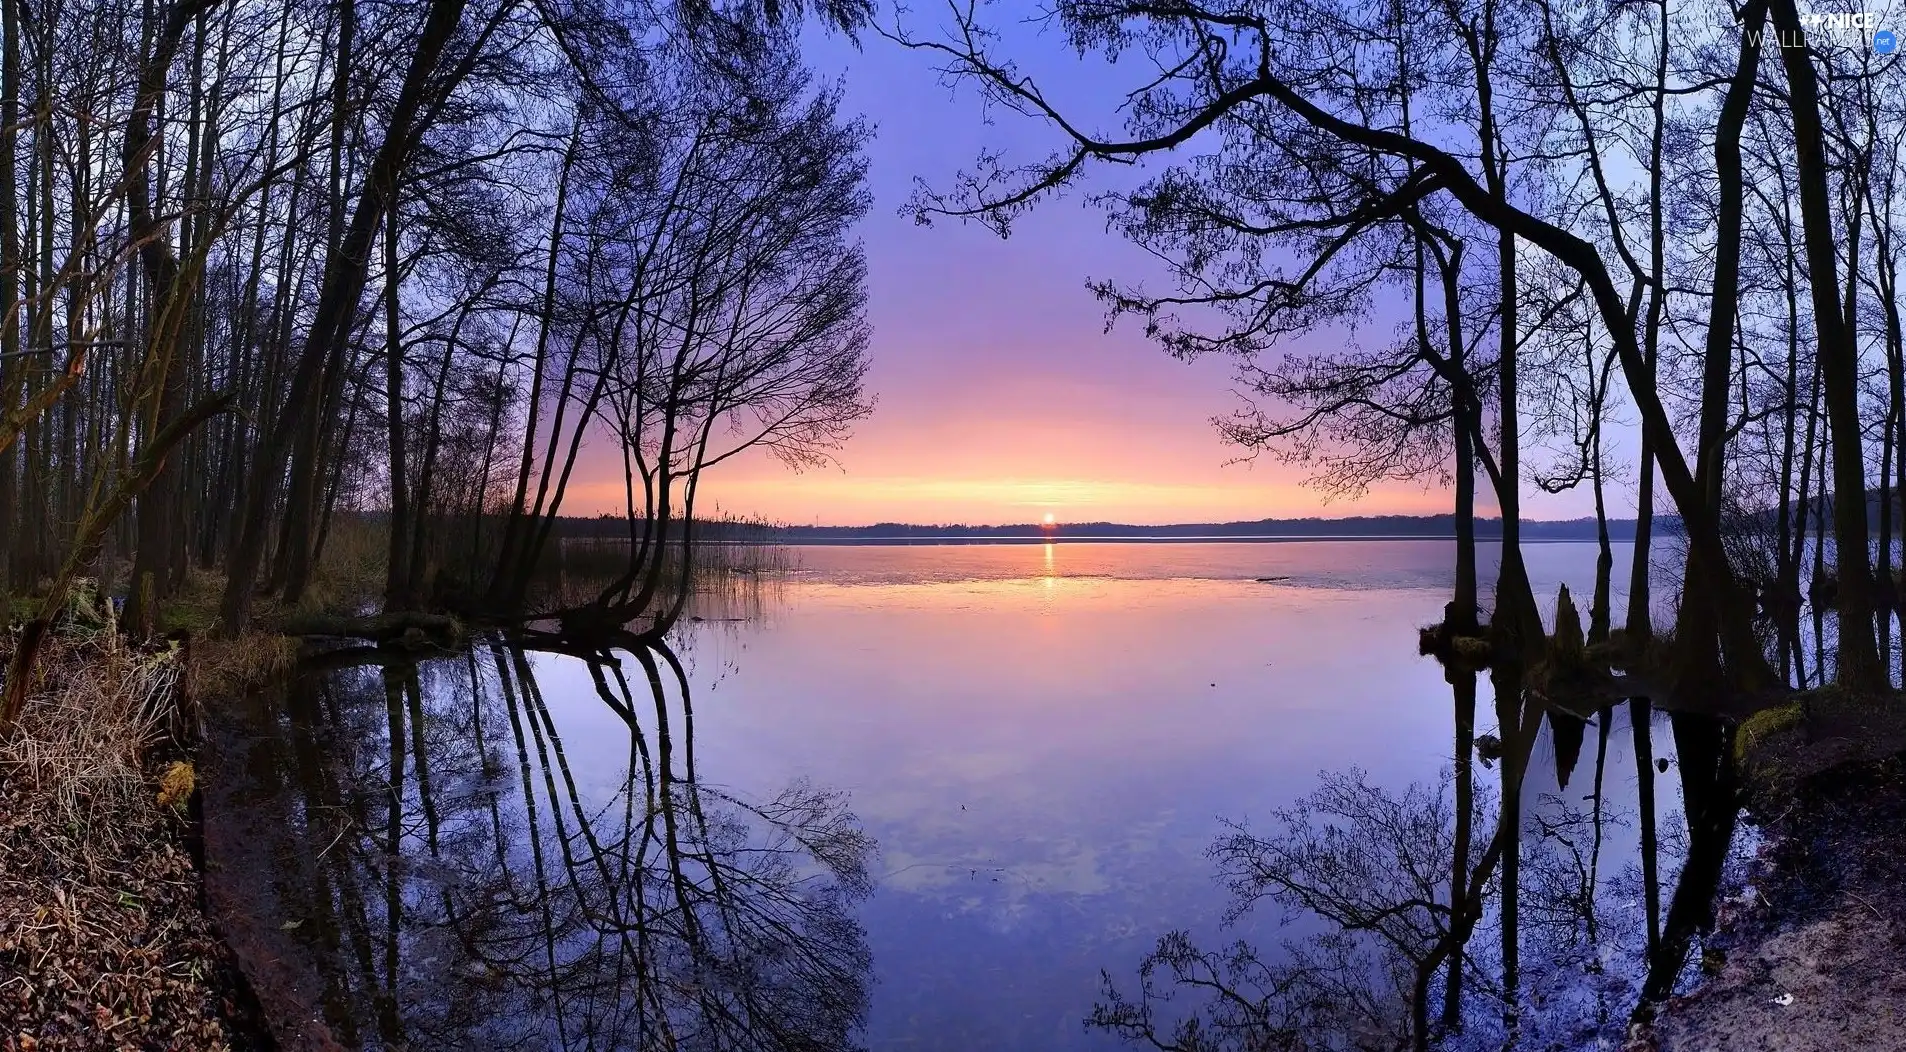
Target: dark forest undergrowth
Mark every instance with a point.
(103, 940)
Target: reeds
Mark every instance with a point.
(574, 570)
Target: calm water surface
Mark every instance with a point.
(914, 798)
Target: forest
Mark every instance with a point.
(271, 264)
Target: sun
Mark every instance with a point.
(1049, 520)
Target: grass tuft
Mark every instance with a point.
(222, 668)
(96, 707)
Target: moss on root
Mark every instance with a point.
(1757, 729)
(1454, 648)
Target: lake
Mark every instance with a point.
(921, 797)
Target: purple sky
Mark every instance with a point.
(1000, 396)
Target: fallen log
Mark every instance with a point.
(399, 626)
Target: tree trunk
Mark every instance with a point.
(1697, 642)
(162, 381)
(397, 570)
(12, 363)
(1463, 689)
(1859, 664)
(1509, 713)
(295, 553)
(1641, 723)
(346, 273)
(1599, 613)
(1515, 621)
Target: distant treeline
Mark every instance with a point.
(1354, 526)
(753, 531)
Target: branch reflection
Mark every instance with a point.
(1403, 929)
(456, 880)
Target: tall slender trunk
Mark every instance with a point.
(1461, 615)
(295, 550)
(1509, 713)
(1641, 724)
(1784, 603)
(1515, 617)
(515, 522)
(1790, 590)
(1640, 620)
(1465, 424)
(1697, 640)
(173, 287)
(1859, 664)
(346, 273)
(420, 558)
(1515, 622)
(1463, 688)
(397, 594)
(12, 364)
(1599, 614)
(1894, 440)
(1822, 588)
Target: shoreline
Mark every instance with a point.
(1808, 957)
(110, 945)
(106, 939)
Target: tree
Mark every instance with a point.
(1242, 73)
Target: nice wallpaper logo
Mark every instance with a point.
(1843, 28)
(1850, 28)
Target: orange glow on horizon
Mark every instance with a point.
(1075, 447)
(834, 498)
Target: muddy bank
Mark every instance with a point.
(242, 895)
(1813, 955)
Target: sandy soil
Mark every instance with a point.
(1812, 958)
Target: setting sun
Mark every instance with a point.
(1049, 519)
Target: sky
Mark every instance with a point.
(1000, 397)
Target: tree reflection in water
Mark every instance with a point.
(1459, 916)
(456, 887)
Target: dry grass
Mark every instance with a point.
(346, 582)
(78, 750)
(102, 943)
(221, 668)
(350, 572)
